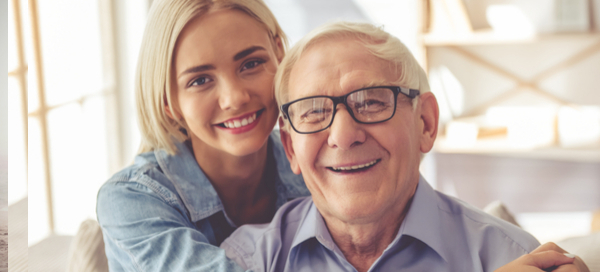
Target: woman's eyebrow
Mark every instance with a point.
(237, 56)
(247, 52)
(196, 69)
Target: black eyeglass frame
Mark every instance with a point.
(410, 93)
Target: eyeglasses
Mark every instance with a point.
(366, 106)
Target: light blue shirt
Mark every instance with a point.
(163, 214)
(439, 233)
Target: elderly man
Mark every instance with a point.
(359, 116)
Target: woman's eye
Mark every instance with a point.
(252, 64)
(199, 81)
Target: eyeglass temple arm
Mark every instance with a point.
(283, 110)
(412, 93)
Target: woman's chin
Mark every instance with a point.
(243, 152)
(246, 147)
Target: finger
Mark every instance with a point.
(547, 259)
(548, 246)
(566, 268)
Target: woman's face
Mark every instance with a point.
(224, 66)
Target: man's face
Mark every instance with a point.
(336, 67)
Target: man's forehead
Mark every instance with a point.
(335, 65)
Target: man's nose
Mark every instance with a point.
(233, 95)
(344, 131)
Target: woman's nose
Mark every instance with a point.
(233, 95)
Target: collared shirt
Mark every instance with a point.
(439, 233)
(163, 214)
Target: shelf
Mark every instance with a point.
(489, 37)
(500, 146)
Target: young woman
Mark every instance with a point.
(209, 161)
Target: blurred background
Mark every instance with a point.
(517, 82)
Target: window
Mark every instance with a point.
(76, 137)
(17, 107)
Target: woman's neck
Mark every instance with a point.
(243, 183)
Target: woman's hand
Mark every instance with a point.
(547, 257)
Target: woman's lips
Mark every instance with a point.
(241, 124)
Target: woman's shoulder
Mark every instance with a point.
(144, 165)
(143, 176)
(174, 179)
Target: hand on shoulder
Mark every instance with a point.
(547, 257)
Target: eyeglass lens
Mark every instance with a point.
(367, 106)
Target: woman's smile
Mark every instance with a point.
(242, 123)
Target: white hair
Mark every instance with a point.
(379, 43)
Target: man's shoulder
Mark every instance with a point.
(250, 243)
(489, 227)
(287, 218)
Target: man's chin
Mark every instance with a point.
(355, 212)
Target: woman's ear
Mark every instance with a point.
(169, 113)
(172, 114)
(429, 117)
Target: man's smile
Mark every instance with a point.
(354, 168)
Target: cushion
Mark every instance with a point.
(86, 252)
(498, 209)
(586, 247)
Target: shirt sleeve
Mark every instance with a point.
(146, 230)
(234, 254)
(503, 247)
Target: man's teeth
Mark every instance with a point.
(240, 123)
(354, 167)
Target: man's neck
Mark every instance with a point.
(363, 243)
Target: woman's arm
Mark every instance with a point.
(148, 230)
(547, 257)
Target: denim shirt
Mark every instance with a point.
(163, 214)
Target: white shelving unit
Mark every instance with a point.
(456, 36)
(530, 180)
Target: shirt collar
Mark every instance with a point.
(423, 219)
(421, 222)
(313, 226)
(198, 194)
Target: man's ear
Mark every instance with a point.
(286, 140)
(279, 51)
(429, 114)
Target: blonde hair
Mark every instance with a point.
(379, 43)
(154, 74)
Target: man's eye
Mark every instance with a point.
(374, 103)
(315, 115)
(369, 103)
(252, 64)
(370, 106)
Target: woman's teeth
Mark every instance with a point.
(240, 122)
(354, 167)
